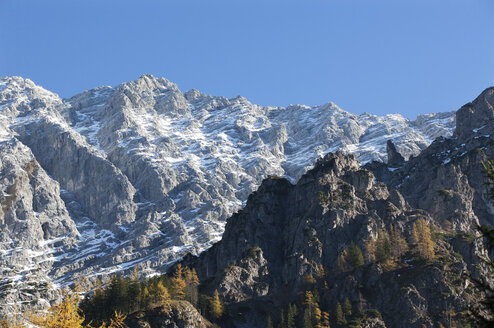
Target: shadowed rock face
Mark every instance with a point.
(180, 315)
(394, 157)
(142, 173)
(285, 231)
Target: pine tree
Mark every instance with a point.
(340, 317)
(291, 315)
(192, 283)
(383, 247)
(269, 323)
(347, 308)
(307, 319)
(216, 306)
(282, 319)
(355, 258)
(134, 291)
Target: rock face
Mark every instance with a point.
(180, 315)
(447, 178)
(394, 157)
(286, 232)
(142, 173)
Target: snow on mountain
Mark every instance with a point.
(142, 173)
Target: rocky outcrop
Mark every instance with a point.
(394, 157)
(287, 232)
(181, 314)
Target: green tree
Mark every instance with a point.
(269, 323)
(383, 247)
(291, 315)
(355, 257)
(340, 317)
(307, 319)
(347, 308)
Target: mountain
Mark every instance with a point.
(412, 222)
(142, 174)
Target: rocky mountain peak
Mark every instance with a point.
(147, 174)
(394, 157)
(476, 116)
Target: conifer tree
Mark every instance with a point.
(320, 273)
(134, 291)
(383, 247)
(178, 283)
(282, 319)
(347, 308)
(145, 298)
(309, 301)
(316, 316)
(291, 315)
(191, 283)
(307, 320)
(370, 251)
(421, 234)
(399, 245)
(162, 297)
(355, 258)
(325, 320)
(340, 317)
(216, 306)
(269, 323)
(341, 262)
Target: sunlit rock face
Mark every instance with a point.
(141, 174)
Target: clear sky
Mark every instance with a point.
(377, 56)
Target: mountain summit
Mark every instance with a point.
(141, 174)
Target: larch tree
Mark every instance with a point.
(424, 243)
(178, 283)
(162, 297)
(216, 306)
(325, 320)
(399, 245)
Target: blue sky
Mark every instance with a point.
(376, 56)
